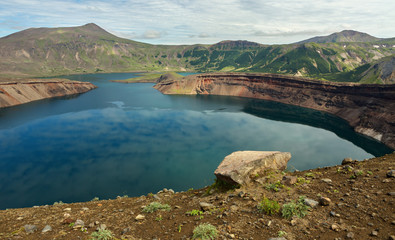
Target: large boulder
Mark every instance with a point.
(237, 167)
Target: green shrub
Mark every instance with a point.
(102, 234)
(205, 231)
(293, 208)
(194, 212)
(152, 207)
(269, 207)
(274, 186)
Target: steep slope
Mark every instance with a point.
(89, 48)
(369, 109)
(343, 36)
(14, 92)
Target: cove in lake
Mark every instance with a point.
(129, 139)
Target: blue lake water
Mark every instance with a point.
(129, 139)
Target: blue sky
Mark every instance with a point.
(205, 21)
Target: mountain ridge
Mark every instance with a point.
(90, 48)
(343, 36)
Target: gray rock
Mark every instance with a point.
(125, 230)
(237, 167)
(374, 233)
(391, 173)
(47, 229)
(391, 193)
(78, 223)
(350, 235)
(30, 228)
(392, 237)
(206, 206)
(277, 238)
(102, 227)
(310, 202)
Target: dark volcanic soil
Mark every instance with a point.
(362, 207)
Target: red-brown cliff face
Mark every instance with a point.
(14, 92)
(369, 108)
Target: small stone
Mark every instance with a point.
(156, 197)
(30, 228)
(47, 229)
(91, 225)
(78, 223)
(391, 193)
(206, 206)
(68, 221)
(392, 237)
(350, 235)
(19, 218)
(66, 215)
(101, 227)
(347, 161)
(310, 202)
(140, 217)
(386, 181)
(332, 213)
(85, 209)
(277, 238)
(324, 201)
(289, 180)
(391, 173)
(335, 227)
(326, 180)
(374, 233)
(234, 208)
(171, 191)
(231, 236)
(125, 230)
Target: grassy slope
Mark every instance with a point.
(89, 49)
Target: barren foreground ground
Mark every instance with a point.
(362, 207)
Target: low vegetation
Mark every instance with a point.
(293, 208)
(102, 234)
(269, 207)
(154, 206)
(205, 231)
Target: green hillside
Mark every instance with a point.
(89, 49)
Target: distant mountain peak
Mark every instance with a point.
(343, 36)
(235, 44)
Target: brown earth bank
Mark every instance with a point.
(368, 108)
(19, 91)
(353, 201)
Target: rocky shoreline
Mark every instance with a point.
(354, 200)
(19, 91)
(368, 108)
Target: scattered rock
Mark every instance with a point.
(350, 235)
(392, 237)
(289, 180)
(347, 161)
(47, 229)
(67, 209)
(335, 227)
(391, 173)
(391, 193)
(30, 228)
(237, 167)
(277, 238)
(310, 202)
(102, 227)
(125, 230)
(68, 221)
(326, 180)
(78, 223)
(206, 206)
(324, 201)
(374, 233)
(140, 217)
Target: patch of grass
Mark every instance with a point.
(293, 208)
(282, 233)
(159, 218)
(302, 180)
(269, 207)
(194, 212)
(369, 172)
(102, 234)
(154, 206)
(205, 231)
(274, 186)
(95, 199)
(359, 173)
(309, 174)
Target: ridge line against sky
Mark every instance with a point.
(205, 21)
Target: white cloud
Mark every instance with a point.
(207, 21)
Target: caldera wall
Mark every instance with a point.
(15, 92)
(369, 108)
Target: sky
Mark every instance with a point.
(205, 21)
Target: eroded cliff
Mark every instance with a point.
(15, 92)
(368, 108)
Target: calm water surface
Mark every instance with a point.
(129, 139)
